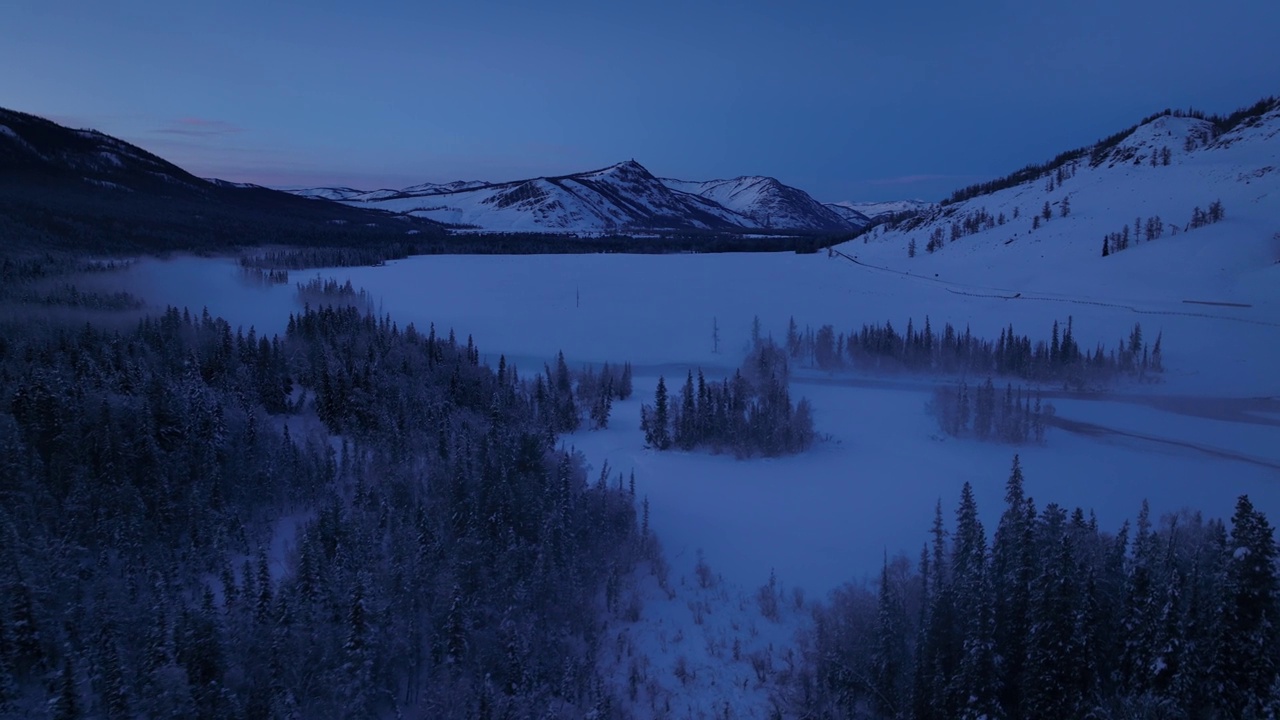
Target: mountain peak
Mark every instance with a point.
(626, 168)
(768, 203)
(630, 165)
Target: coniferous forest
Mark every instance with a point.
(1054, 617)
(1059, 359)
(352, 520)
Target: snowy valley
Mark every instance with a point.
(1196, 436)
(793, 585)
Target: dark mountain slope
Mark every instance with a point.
(82, 190)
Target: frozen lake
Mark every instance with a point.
(829, 515)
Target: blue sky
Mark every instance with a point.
(847, 100)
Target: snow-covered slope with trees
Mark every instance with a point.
(1210, 185)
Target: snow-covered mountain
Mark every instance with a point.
(879, 211)
(1153, 183)
(345, 194)
(770, 204)
(620, 198)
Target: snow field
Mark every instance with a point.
(689, 644)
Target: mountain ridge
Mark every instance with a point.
(623, 197)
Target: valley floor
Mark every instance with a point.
(1207, 433)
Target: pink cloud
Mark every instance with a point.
(199, 127)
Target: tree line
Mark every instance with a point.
(1056, 618)
(1060, 359)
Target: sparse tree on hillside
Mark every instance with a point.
(1065, 209)
(911, 248)
(1216, 213)
(624, 382)
(1251, 632)
(1046, 212)
(656, 424)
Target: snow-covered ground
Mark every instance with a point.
(688, 644)
(828, 515)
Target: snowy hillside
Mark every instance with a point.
(1157, 184)
(620, 198)
(769, 203)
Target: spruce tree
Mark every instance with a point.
(659, 422)
(624, 382)
(889, 662)
(1013, 565)
(686, 432)
(1251, 635)
(67, 704)
(973, 687)
(1055, 653)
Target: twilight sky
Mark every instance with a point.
(845, 99)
